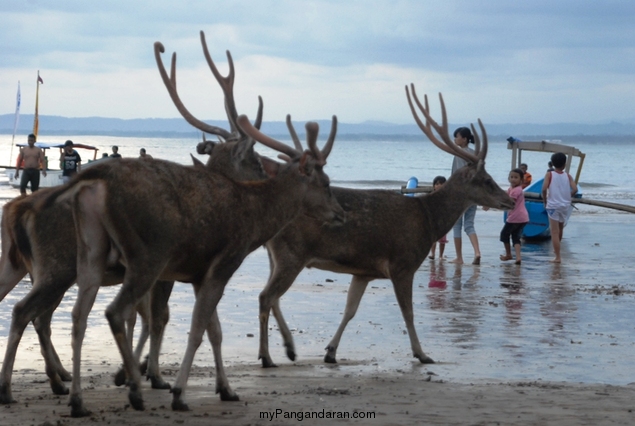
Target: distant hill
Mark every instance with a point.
(174, 127)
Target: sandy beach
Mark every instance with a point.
(538, 344)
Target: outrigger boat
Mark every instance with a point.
(538, 226)
(53, 176)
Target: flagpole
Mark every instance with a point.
(36, 123)
(15, 122)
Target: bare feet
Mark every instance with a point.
(431, 257)
(517, 262)
(505, 257)
(477, 260)
(457, 261)
(556, 260)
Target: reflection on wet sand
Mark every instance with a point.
(516, 292)
(459, 300)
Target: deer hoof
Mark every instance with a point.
(120, 378)
(77, 407)
(267, 363)
(159, 383)
(58, 388)
(228, 396)
(291, 354)
(135, 398)
(425, 359)
(177, 402)
(5, 395)
(330, 359)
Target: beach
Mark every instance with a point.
(532, 344)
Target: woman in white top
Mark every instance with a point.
(462, 137)
(557, 190)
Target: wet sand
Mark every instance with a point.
(532, 344)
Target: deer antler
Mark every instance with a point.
(320, 155)
(226, 84)
(251, 131)
(447, 145)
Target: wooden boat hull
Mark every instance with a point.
(52, 178)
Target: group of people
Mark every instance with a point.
(557, 190)
(31, 159)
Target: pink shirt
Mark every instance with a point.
(519, 213)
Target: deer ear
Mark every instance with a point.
(196, 161)
(205, 147)
(269, 166)
(306, 165)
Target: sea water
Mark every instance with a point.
(608, 172)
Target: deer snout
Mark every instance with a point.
(508, 203)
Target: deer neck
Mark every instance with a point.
(446, 205)
(275, 202)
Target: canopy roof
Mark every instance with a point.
(47, 145)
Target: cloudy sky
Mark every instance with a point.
(504, 61)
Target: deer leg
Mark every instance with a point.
(159, 316)
(355, 292)
(34, 304)
(215, 335)
(143, 309)
(83, 305)
(56, 373)
(136, 284)
(207, 297)
(403, 291)
(281, 279)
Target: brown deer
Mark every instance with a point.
(165, 221)
(32, 242)
(386, 235)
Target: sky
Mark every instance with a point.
(504, 61)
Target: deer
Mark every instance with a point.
(385, 236)
(162, 220)
(32, 242)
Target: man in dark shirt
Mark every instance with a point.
(70, 161)
(115, 152)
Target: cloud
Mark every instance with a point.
(540, 61)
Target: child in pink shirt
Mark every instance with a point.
(517, 218)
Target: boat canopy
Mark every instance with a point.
(517, 146)
(47, 145)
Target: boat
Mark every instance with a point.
(538, 226)
(53, 176)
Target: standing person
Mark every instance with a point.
(557, 190)
(115, 152)
(527, 178)
(436, 184)
(33, 158)
(462, 137)
(142, 154)
(70, 161)
(517, 217)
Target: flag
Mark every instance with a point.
(17, 111)
(16, 121)
(36, 122)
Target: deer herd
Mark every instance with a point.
(146, 224)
